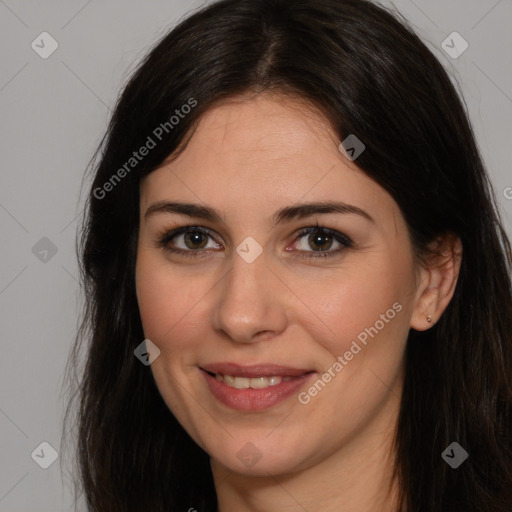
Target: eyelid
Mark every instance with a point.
(337, 235)
(341, 238)
(167, 235)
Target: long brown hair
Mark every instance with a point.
(372, 76)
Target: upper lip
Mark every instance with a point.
(252, 371)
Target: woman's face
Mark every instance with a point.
(250, 297)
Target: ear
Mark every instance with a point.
(437, 280)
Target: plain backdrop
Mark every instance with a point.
(55, 110)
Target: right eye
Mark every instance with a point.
(193, 240)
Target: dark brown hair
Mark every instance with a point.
(371, 76)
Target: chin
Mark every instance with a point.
(251, 459)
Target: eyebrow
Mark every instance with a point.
(285, 214)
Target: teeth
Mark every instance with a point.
(254, 383)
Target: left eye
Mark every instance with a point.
(321, 240)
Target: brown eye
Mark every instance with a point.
(187, 240)
(320, 240)
(195, 239)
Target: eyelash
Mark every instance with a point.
(167, 236)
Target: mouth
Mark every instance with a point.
(253, 388)
(253, 383)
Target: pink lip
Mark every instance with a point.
(255, 399)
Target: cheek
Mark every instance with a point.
(166, 299)
(362, 328)
(365, 316)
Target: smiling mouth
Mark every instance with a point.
(258, 388)
(253, 382)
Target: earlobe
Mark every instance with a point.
(438, 282)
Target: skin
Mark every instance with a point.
(249, 157)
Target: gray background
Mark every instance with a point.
(54, 112)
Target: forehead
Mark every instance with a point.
(260, 150)
(275, 125)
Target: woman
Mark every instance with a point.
(298, 285)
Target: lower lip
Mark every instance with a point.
(254, 399)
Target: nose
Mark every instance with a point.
(251, 305)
